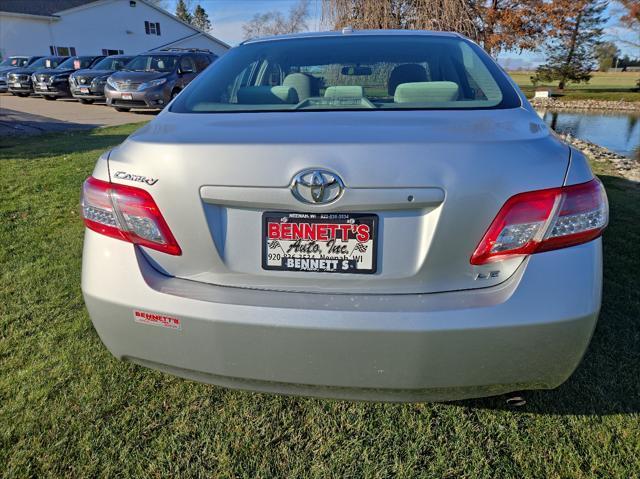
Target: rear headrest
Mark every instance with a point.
(303, 83)
(409, 72)
(428, 91)
(353, 91)
(267, 95)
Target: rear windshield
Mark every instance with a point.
(111, 63)
(380, 72)
(153, 63)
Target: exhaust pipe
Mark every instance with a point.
(516, 399)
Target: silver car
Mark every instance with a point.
(363, 215)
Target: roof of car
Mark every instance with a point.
(346, 32)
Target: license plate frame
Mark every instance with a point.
(127, 96)
(357, 253)
(84, 90)
(43, 87)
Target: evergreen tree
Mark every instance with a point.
(182, 12)
(571, 50)
(201, 19)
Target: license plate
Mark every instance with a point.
(84, 89)
(319, 242)
(126, 96)
(17, 85)
(42, 86)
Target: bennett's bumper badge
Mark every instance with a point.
(156, 319)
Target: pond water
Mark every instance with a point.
(617, 131)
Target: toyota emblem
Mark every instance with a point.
(316, 186)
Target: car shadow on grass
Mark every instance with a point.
(23, 147)
(607, 381)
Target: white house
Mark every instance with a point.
(93, 27)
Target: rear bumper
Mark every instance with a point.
(529, 332)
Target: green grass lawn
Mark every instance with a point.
(602, 86)
(69, 409)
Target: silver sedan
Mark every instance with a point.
(364, 215)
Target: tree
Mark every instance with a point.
(606, 54)
(275, 23)
(455, 15)
(182, 12)
(498, 25)
(631, 16)
(575, 33)
(510, 24)
(201, 19)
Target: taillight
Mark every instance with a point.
(544, 220)
(126, 213)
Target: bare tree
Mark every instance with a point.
(275, 23)
(455, 15)
(497, 25)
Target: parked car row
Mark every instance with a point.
(13, 64)
(146, 81)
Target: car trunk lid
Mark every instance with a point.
(434, 181)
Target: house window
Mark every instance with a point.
(108, 51)
(62, 51)
(152, 28)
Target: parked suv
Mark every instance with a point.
(12, 64)
(19, 81)
(152, 79)
(54, 83)
(88, 85)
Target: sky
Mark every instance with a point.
(228, 16)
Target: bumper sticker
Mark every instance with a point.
(155, 319)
